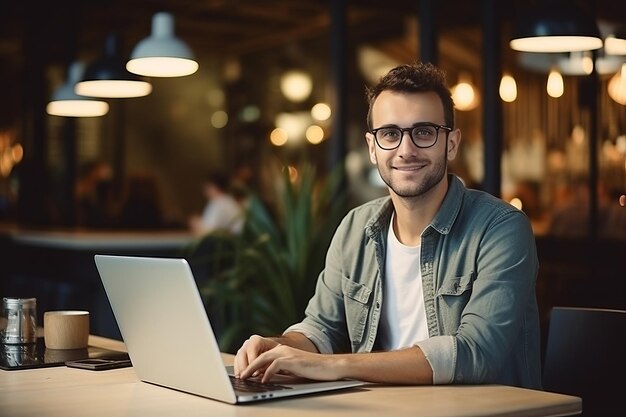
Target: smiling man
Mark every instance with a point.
(434, 284)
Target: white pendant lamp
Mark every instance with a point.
(555, 26)
(162, 54)
(108, 77)
(65, 102)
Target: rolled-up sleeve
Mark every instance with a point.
(440, 352)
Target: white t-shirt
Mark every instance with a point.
(403, 315)
(222, 213)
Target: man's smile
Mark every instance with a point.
(409, 168)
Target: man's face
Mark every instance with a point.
(410, 171)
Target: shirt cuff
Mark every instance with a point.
(314, 335)
(440, 352)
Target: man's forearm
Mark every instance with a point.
(406, 366)
(296, 340)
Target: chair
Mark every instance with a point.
(585, 356)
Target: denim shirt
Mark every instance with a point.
(479, 268)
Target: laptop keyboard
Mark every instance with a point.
(247, 385)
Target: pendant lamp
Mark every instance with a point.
(108, 77)
(65, 102)
(556, 26)
(615, 43)
(162, 54)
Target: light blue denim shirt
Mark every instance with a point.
(479, 268)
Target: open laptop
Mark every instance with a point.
(168, 335)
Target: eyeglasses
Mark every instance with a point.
(423, 135)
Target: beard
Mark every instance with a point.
(405, 188)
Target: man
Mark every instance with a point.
(434, 284)
(221, 212)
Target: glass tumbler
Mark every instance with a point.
(19, 321)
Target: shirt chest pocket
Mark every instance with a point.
(454, 294)
(356, 297)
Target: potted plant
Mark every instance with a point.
(261, 281)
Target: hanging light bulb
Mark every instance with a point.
(508, 88)
(617, 86)
(464, 95)
(555, 86)
(587, 63)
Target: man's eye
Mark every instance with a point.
(390, 134)
(423, 132)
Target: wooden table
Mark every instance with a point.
(67, 392)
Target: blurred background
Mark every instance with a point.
(281, 83)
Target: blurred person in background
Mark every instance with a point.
(222, 211)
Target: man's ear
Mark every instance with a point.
(454, 139)
(371, 147)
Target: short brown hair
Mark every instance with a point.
(414, 78)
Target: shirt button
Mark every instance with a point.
(377, 305)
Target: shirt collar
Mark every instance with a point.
(442, 222)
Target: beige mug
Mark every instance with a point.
(68, 329)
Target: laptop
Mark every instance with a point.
(169, 338)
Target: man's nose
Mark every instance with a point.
(406, 144)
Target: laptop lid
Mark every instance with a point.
(168, 335)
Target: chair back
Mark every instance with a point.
(585, 356)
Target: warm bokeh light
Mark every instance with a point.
(620, 144)
(556, 43)
(78, 108)
(294, 124)
(17, 153)
(614, 45)
(321, 111)
(278, 137)
(314, 134)
(219, 119)
(578, 135)
(622, 200)
(293, 174)
(296, 85)
(587, 64)
(464, 96)
(617, 86)
(113, 88)
(517, 203)
(162, 66)
(508, 89)
(555, 86)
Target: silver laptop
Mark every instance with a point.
(169, 338)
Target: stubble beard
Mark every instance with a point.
(415, 190)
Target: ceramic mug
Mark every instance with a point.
(67, 329)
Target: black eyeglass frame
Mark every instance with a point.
(437, 127)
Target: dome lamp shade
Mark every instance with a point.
(65, 102)
(556, 26)
(162, 54)
(107, 77)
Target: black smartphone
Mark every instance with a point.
(99, 364)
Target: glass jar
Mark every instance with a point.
(19, 321)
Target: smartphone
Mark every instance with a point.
(99, 364)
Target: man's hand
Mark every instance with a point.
(282, 359)
(250, 350)
(294, 354)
